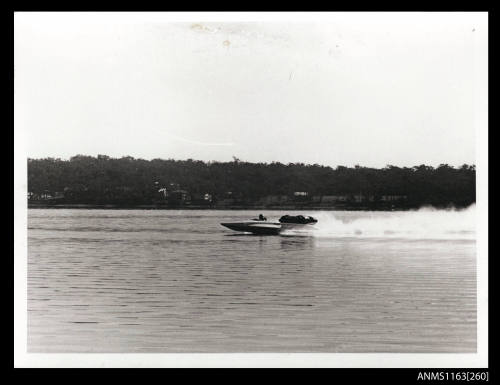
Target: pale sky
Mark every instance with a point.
(334, 89)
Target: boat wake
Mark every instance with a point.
(425, 223)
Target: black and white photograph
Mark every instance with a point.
(251, 189)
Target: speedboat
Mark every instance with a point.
(263, 227)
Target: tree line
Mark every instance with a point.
(126, 180)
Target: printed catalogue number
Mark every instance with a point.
(467, 376)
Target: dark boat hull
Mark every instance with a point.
(255, 227)
(264, 228)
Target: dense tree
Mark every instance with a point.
(102, 179)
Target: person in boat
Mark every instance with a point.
(262, 218)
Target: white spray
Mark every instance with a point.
(425, 223)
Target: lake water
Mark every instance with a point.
(154, 281)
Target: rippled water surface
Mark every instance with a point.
(176, 281)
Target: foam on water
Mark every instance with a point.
(425, 223)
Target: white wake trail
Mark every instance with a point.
(425, 223)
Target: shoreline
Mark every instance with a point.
(220, 207)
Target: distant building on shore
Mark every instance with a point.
(301, 196)
(163, 192)
(201, 199)
(179, 197)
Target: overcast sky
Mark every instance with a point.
(339, 89)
